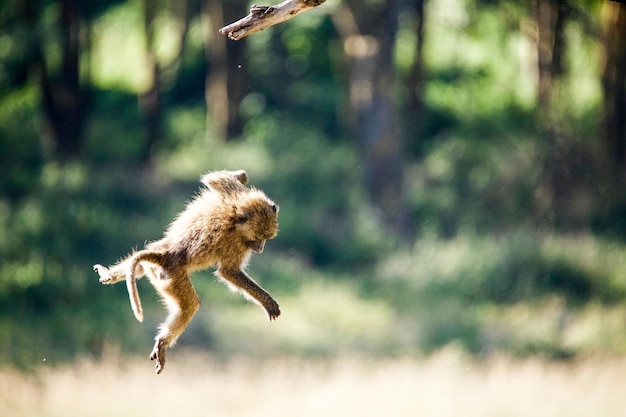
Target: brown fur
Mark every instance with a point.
(221, 227)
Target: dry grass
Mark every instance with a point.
(444, 385)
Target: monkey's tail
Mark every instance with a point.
(131, 284)
(133, 294)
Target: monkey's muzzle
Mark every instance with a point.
(256, 245)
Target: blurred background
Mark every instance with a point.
(450, 174)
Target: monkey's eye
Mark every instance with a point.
(274, 208)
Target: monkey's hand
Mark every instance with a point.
(105, 274)
(271, 308)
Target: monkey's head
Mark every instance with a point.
(257, 220)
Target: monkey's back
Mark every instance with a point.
(204, 233)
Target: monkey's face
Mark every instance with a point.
(258, 222)
(257, 246)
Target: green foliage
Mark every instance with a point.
(49, 241)
(328, 226)
(114, 136)
(514, 292)
(505, 199)
(21, 153)
(461, 180)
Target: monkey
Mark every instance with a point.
(221, 227)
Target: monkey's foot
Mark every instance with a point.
(105, 275)
(158, 355)
(241, 176)
(272, 309)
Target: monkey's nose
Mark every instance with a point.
(257, 246)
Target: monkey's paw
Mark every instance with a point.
(105, 275)
(272, 309)
(241, 176)
(158, 355)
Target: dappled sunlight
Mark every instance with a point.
(520, 293)
(192, 158)
(320, 318)
(597, 328)
(120, 30)
(449, 176)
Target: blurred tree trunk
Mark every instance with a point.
(413, 115)
(70, 99)
(150, 105)
(614, 83)
(550, 16)
(63, 97)
(368, 35)
(416, 73)
(553, 189)
(226, 78)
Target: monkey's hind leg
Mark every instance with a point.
(182, 302)
(225, 181)
(116, 273)
(111, 275)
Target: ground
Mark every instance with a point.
(446, 384)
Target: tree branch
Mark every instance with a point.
(262, 17)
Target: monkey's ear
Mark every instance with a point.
(242, 218)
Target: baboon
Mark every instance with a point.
(220, 227)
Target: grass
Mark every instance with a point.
(446, 384)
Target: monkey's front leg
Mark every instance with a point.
(241, 282)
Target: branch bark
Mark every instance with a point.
(262, 17)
